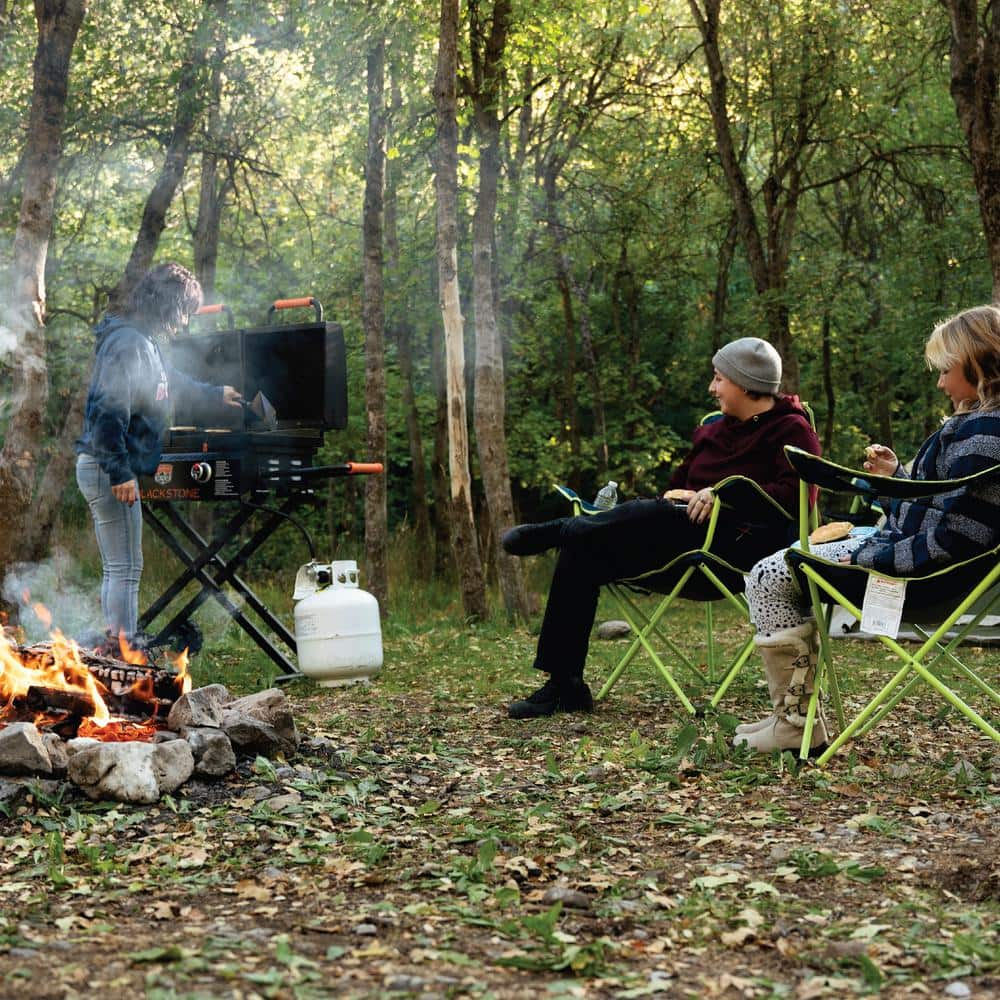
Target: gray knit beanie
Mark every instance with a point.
(751, 363)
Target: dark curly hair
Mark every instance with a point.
(163, 299)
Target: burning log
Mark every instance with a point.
(58, 686)
(137, 682)
(54, 710)
(53, 700)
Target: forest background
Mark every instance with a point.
(535, 222)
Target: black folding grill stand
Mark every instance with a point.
(206, 563)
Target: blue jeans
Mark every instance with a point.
(119, 538)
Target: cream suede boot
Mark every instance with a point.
(777, 700)
(774, 683)
(790, 665)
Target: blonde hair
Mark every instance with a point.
(970, 339)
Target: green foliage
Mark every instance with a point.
(606, 132)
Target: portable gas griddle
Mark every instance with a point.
(259, 466)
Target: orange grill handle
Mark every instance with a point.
(303, 302)
(364, 468)
(215, 309)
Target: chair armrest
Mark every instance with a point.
(745, 496)
(734, 493)
(580, 506)
(840, 479)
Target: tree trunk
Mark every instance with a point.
(211, 192)
(766, 255)
(572, 289)
(975, 78)
(463, 533)
(419, 515)
(373, 321)
(724, 263)
(440, 480)
(59, 470)
(58, 25)
(401, 334)
(625, 293)
(489, 398)
(187, 109)
(569, 417)
(828, 390)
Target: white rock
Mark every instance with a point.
(213, 753)
(22, 750)
(79, 743)
(271, 707)
(252, 736)
(131, 772)
(55, 746)
(568, 897)
(613, 630)
(200, 707)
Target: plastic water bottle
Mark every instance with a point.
(607, 496)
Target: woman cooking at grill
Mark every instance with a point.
(133, 393)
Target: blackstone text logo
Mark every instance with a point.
(164, 473)
(174, 493)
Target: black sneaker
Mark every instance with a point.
(555, 695)
(532, 539)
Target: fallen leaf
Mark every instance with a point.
(738, 937)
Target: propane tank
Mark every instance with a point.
(337, 629)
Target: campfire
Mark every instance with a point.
(62, 689)
(120, 727)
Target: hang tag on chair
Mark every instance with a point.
(882, 610)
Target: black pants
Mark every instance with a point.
(633, 538)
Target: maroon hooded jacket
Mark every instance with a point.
(751, 448)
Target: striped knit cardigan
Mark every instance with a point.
(921, 536)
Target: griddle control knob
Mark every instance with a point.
(201, 472)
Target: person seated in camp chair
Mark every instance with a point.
(918, 537)
(641, 536)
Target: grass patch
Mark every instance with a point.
(428, 845)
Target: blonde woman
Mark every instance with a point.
(919, 536)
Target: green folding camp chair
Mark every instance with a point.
(942, 598)
(697, 575)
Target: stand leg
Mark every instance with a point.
(207, 566)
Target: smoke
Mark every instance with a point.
(8, 342)
(8, 321)
(62, 594)
(54, 594)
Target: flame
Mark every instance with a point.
(142, 689)
(180, 664)
(134, 656)
(118, 731)
(61, 669)
(26, 674)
